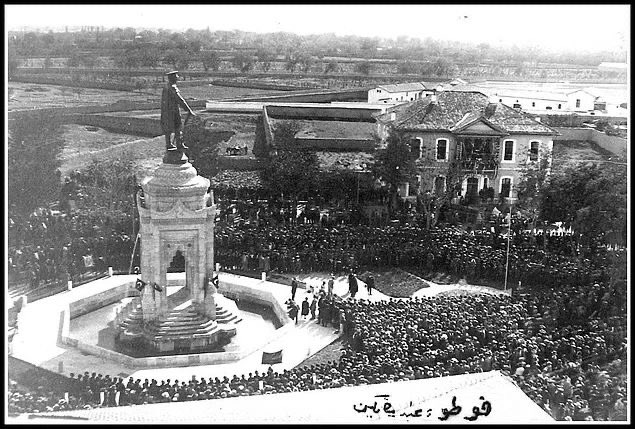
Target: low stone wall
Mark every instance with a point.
(147, 127)
(327, 143)
(614, 144)
(252, 290)
(237, 288)
(94, 302)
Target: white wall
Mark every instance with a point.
(586, 100)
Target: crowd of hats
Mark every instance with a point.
(51, 246)
(477, 255)
(563, 346)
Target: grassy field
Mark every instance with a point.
(395, 283)
(332, 352)
(146, 153)
(31, 96)
(571, 153)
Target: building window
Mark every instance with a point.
(500, 100)
(516, 106)
(416, 146)
(559, 106)
(577, 102)
(533, 150)
(442, 149)
(548, 108)
(506, 187)
(533, 104)
(508, 151)
(439, 185)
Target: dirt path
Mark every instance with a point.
(144, 152)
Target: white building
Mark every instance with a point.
(584, 100)
(398, 93)
(580, 100)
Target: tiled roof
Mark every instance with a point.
(451, 109)
(330, 161)
(401, 87)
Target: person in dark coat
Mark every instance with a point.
(352, 284)
(294, 287)
(370, 284)
(293, 312)
(305, 308)
(313, 307)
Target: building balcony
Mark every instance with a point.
(479, 163)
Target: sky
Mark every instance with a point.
(590, 27)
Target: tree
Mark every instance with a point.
(331, 67)
(394, 163)
(292, 172)
(12, 65)
(73, 59)
(363, 67)
(265, 57)
(292, 60)
(429, 203)
(110, 185)
(34, 142)
(243, 62)
(150, 57)
(592, 197)
(203, 146)
(530, 189)
(306, 61)
(407, 67)
(210, 60)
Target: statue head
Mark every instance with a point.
(173, 76)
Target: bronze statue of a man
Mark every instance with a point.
(171, 99)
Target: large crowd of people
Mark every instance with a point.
(563, 342)
(565, 347)
(477, 255)
(50, 246)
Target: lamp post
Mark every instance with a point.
(509, 234)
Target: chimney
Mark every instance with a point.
(393, 116)
(490, 109)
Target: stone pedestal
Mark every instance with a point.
(176, 215)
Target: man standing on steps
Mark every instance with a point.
(171, 99)
(294, 287)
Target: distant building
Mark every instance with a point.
(614, 67)
(491, 141)
(581, 100)
(398, 93)
(584, 100)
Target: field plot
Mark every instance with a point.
(23, 96)
(213, 92)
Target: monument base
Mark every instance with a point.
(181, 330)
(176, 156)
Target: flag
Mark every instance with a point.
(271, 358)
(157, 287)
(140, 284)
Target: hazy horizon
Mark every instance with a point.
(589, 28)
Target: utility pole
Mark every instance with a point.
(509, 235)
